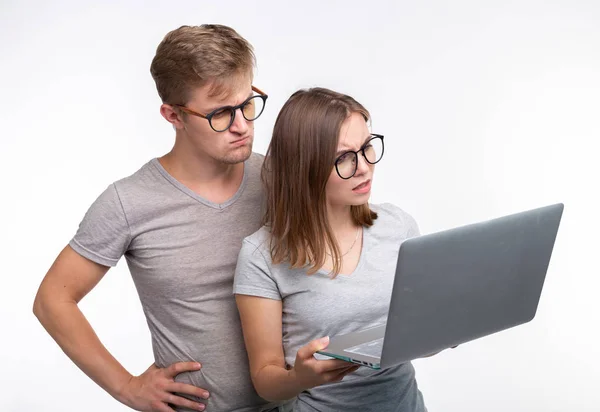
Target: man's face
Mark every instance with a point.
(231, 146)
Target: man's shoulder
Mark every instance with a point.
(253, 176)
(144, 187)
(140, 177)
(257, 157)
(255, 162)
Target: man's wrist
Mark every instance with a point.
(122, 390)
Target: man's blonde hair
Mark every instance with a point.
(192, 56)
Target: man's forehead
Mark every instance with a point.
(231, 86)
(222, 93)
(227, 92)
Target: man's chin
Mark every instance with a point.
(239, 155)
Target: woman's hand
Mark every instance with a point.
(310, 372)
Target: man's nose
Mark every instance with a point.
(240, 124)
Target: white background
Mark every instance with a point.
(488, 108)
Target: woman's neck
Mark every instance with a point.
(347, 235)
(340, 220)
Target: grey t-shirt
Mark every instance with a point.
(316, 306)
(181, 251)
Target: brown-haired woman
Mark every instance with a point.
(323, 263)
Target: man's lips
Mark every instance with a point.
(242, 140)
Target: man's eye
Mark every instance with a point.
(223, 113)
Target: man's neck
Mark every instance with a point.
(213, 180)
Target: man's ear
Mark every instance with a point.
(172, 116)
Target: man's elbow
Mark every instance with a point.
(43, 304)
(39, 305)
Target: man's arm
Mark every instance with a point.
(69, 279)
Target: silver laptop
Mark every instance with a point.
(458, 285)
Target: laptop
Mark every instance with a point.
(458, 285)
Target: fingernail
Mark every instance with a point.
(325, 340)
(201, 407)
(205, 395)
(198, 366)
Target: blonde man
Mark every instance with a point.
(179, 221)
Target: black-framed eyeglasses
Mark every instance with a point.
(347, 163)
(222, 118)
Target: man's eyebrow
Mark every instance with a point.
(229, 105)
(341, 151)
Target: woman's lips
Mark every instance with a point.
(364, 187)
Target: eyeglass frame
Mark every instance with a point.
(362, 151)
(234, 109)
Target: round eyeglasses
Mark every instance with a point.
(347, 163)
(222, 118)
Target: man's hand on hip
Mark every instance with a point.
(155, 389)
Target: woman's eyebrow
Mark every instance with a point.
(344, 150)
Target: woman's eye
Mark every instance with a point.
(346, 157)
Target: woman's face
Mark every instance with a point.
(355, 190)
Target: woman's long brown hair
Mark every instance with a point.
(297, 166)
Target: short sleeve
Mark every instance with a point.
(413, 229)
(406, 221)
(103, 235)
(253, 274)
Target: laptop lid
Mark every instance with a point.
(464, 283)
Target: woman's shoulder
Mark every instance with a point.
(392, 217)
(259, 240)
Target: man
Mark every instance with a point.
(179, 221)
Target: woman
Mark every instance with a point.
(324, 262)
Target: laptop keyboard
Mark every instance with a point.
(372, 348)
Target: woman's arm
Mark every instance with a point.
(261, 324)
